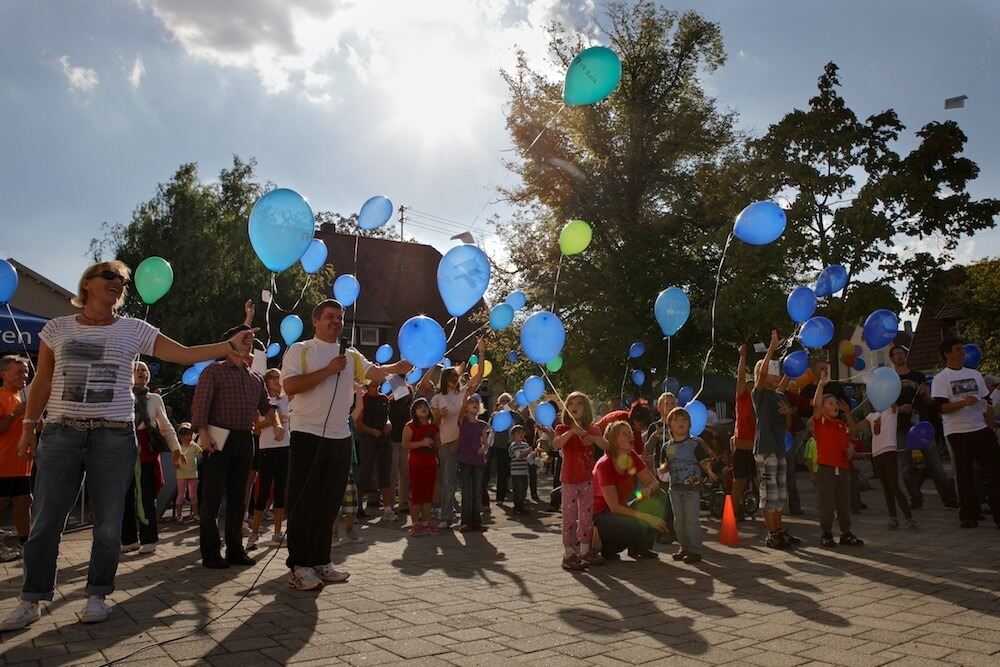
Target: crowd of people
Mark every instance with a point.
(318, 435)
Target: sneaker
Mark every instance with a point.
(9, 554)
(148, 548)
(95, 610)
(129, 548)
(269, 515)
(573, 563)
(912, 525)
(23, 615)
(278, 538)
(776, 541)
(416, 530)
(827, 540)
(692, 558)
(252, 541)
(679, 555)
(789, 538)
(892, 523)
(351, 536)
(592, 558)
(304, 579)
(327, 573)
(850, 539)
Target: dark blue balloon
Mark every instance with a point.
(516, 300)
(973, 356)
(801, 304)
(920, 436)
(831, 280)
(542, 337)
(545, 414)
(512, 357)
(384, 353)
(314, 257)
(880, 329)
(534, 387)
(816, 332)
(684, 395)
(671, 309)
(422, 341)
(462, 277)
(848, 391)
(375, 212)
(638, 377)
(699, 416)
(859, 364)
(760, 223)
(8, 280)
(502, 421)
(795, 364)
(671, 385)
(636, 350)
(789, 441)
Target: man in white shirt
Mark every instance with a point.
(319, 376)
(968, 425)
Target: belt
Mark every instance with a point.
(93, 424)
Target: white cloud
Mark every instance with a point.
(137, 72)
(80, 78)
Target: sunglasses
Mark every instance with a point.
(108, 274)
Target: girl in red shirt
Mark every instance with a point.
(420, 439)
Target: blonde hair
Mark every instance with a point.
(80, 300)
(613, 430)
(588, 410)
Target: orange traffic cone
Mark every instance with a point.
(728, 533)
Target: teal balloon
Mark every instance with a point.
(346, 289)
(671, 309)
(8, 281)
(501, 316)
(281, 228)
(422, 341)
(462, 277)
(375, 212)
(816, 332)
(314, 257)
(759, 223)
(291, 329)
(801, 304)
(638, 377)
(831, 280)
(516, 300)
(592, 76)
(272, 351)
(542, 337)
(502, 421)
(883, 388)
(383, 354)
(534, 387)
(699, 416)
(545, 414)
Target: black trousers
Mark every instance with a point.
(225, 473)
(501, 457)
(886, 468)
(970, 448)
(317, 478)
(533, 480)
(273, 469)
(620, 532)
(147, 533)
(520, 483)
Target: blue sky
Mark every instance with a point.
(343, 100)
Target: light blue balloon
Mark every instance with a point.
(521, 400)
(281, 228)
(384, 353)
(202, 365)
(684, 395)
(759, 223)
(795, 364)
(883, 388)
(534, 387)
(545, 414)
(672, 386)
(191, 376)
(816, 332)
(671, 310)
(516, 300)
(501, 316)
(8, 280)
(446, 363)
(636, 350)
(346, 289)
(502, 421)
(801, 304)
(542, 337)
(375, 212)
(386, 388)
(462, 277)
(291, 329)
(314, 257)
(512, 357)
(592, 76)
(699, 416)
(638, 377)
(831, 280)
(422, 341)
(273, 350)
(414, 375)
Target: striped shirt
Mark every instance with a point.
(519, 465)
(92, 378)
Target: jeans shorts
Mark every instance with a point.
(773, 490)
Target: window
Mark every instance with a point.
(369, 336)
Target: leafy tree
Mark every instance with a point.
(973, 290)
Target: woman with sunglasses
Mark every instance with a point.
(84, 383)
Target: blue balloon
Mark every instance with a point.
(832, 279)
(375, 212)
(501, 316)
(190, 376)
(202, 365)
(516, 300)
(273, 350)
(848, 391)
(816, 332)
(422, 341)
(446, 363)
(859, 364)
(684, 395)
(281, 228)
(638, 377)
(672, 386)
(671, 310)
(795, 364)
(462, 277)
(592, 75)
(534, 387)
(542, 337)
(291, 329)
(883, 388)
(8, 280)
(880, 329)
(414, 375)
(545, 414)
(386, 388)
(760, 223)
(346, 289)
(699, 416)
(973, 356)
(920, 436)
(512, 357)
(384, 353)
(521, 400)
(502, 421)
(314, 257)
(789, 441)
(636, 350)
(801, 304)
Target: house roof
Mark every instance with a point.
(40, 279)
(937, 320)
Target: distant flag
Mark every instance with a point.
(956, 102)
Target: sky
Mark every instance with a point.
(342, 100)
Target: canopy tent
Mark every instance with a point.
(29, 325)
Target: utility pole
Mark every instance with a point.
(402, 219)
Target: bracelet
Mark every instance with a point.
(29, 421)
(232, 345)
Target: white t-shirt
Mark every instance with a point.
(952, 385)
(885, 440)
(267, 440)
(452, 403)
(309, 410)
(92, 378)
(158, 419)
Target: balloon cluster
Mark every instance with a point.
(851, 355)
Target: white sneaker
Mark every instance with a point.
(95, 611)
(128, 548)
(252, 541)
(148, 548)
(304, 579)
(327, 573)
(278, 538)
(23, 615)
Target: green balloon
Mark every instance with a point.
(153, 279)
(575, 237)
(554, 365)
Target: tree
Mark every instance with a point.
(973, 290)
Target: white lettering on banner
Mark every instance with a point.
(10, 337)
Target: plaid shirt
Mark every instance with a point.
(229, 396)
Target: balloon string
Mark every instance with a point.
(715, 299)
(456, 345)
(558, 397)
(145, 317)
(621, 398)
(668, 358)
(354, 306)
(555, 287)
(176, 385)
(20, 338)
(548, 124)
(267, 311)
(453, 321)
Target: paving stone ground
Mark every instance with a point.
(927, 598)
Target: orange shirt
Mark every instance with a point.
(11, 465)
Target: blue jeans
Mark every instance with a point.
(447, 478)
(687, 526)
(913, 479)
(107, 458)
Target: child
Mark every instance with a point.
(883, 425)
(575, 439)
(833, 464)
(519, 452)
(187, 473)
(472, 436)
(681, 462)
(273, 465)
(420, 439)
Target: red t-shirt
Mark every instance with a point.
(11, 465)
(577, 456)
(607, 474)
(417, 433)
(832, 439)
(621, 416)
(746, 420)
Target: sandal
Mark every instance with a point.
(850, 539)
(592, 558)
(573, 563)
